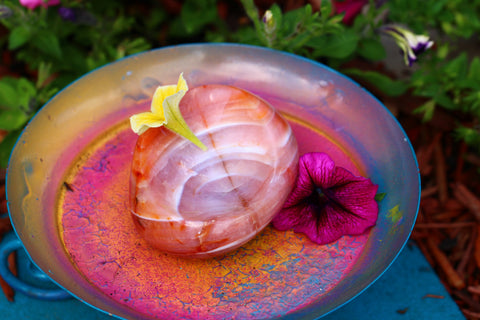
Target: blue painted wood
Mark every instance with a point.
(409, 289)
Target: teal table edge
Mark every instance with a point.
(409, 289)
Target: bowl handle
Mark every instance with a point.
(10, 244)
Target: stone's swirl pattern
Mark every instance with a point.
(203, 203)
(274, 274)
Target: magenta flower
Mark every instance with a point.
(327, 201)
(32, 4)
(351, 8)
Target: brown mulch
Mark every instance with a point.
(448, 225)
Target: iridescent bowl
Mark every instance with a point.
(68, 178)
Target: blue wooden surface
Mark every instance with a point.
(409, 289)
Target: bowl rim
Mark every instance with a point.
(242, 46)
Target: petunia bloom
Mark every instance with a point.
(327, 201)
(165, 111)
(269, 22)
(351, 8)
(32, 4)
(411, 44)
(68, 14)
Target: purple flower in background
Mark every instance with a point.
(411, 44)
(5, 12)
(32, 4)
(67, 13)
(77, 15)
(328, 202)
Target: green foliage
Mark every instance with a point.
(317, 35)
(454, 85)
(17, 96)
(384, 83)
(6, 146)
(192, 22)
(454, 18)
(50, 50)
(59, 51)
(448, 78)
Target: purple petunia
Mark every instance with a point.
(411, 44)
(67, 13)
(328, 202)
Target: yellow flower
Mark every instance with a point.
(165, 111)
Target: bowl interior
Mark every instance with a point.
(94, 104)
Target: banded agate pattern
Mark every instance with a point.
(198, 203)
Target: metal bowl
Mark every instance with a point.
(319, 102)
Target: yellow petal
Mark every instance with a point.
(175, 121)
(159, 96)
(165, 109)
(142, 121)
(182, 84)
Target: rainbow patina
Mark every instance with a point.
(275, 273)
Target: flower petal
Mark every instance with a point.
(32, 4)
(290, 217)
(328, 202)
(165, 109)
(331, 225)
(159, 96)
(411, 44)
(142, 121)
(175, 121)
(320, 168)
(313, 169)
(182, 84)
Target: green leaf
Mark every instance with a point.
(458, 67)
(18, 37)
(325, 9)
(8, 94)
(293, 18)
(12, 119)
(277, 16)
(251, 11)
(470, 135)
(43, 73)
(48, 43)
(6, 147)
(428, 108)
(26, 87)
(473, 102)
(371, 49)
(443, 50)
(474, 70)
(384, 83)
(27, 92)
(196, 14)
(445, 101)
(379, 196)
(335, 46)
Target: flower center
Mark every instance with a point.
(318, 198)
